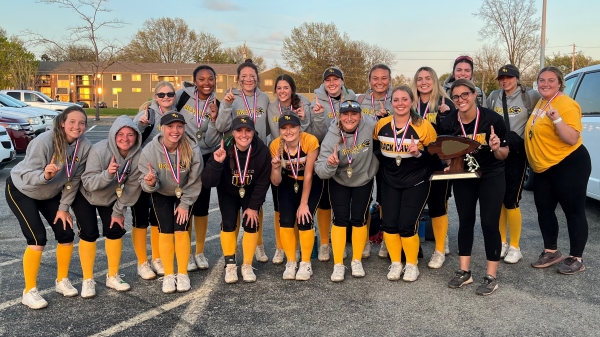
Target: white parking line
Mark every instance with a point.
(90, 129)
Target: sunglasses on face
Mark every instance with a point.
(462, 96)
(163, 94)
(350, 104)
(464, 57)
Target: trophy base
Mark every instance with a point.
(450, 175)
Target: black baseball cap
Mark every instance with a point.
(333, 71)
(289, 119)
(242, 122)
(508, 70)
(350, 106)
(172, 116)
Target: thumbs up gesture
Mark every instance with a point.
(150, 177)
(494, 140)
(333, 159)
(113, 166)
(220, 154)
(413, 149)
(51, 170)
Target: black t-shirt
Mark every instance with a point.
(436, 117)
(488, 163)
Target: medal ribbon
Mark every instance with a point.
(177, 176)
(373, 104)
(397, 146)
(69, 168)
(349, 153)
(297, 171)
(332, 107)
(281, 111)
(537, 114)
(426, 108)
(200, 118)
(237, 161)
(476, 125)
(123, 173)
(161, 111)
(253, 113)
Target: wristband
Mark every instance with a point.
(558, 120)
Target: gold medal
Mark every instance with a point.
(398, 160)
(349, 172)
(178, 192)
(68, 186)
(119, 192)
(296, 187)
(530, 134)
(198, 135)
(242, 192)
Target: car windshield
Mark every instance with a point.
(46, 97)
(15, 102)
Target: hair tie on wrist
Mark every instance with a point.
(558, 120)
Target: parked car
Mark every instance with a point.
(33, 115)
(19, 130)
(83, 104)
(7, 150)
(48, 114)
(36, 98)
(101, 105)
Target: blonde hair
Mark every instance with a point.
(437, 91)
(59, 137)
(184, 146)
(158, 86)
(281, 141)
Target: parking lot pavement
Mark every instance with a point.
(529, 302)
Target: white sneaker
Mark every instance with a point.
(116, 283)
(191, 264)
(357, 268)
(338, 273)
(304, 271)
(88, 288)
(446, 246)
(158, 267)
(367, 250)
(513, 256)
(324, 252)
(260, 254)
(183, 283)
(145, 271)
(33, 299)
(383, 252)
(411, 272)
(231, 273)
(248, 273)
(504, 250)
(169, 282)
(65, 288)
(437, 260)
(278, 257)
(395, 271)
(201, 261)
(290, 270)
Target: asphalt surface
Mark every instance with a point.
(529, 302)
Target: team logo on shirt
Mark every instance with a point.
(332, 114)
(362, 147)
(513, 110)
(165, 166)
(259, 112)
(76, 159)
(235, 178)
(192, 111)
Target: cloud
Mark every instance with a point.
(220, 5)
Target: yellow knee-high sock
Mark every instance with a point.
(277, 233)
(63, 260)
(138, 238)
(288, 240)
(87, 256)
(411, 248)
(359, 238)
(182, 251)
(307, 241)
(201, 226)
(155, 242)
(167, 252)
(260, 227)
(31, 265)
(113, 255)
(249, 243)
(440, 231)
(338, 243)
(228, 243)
(515, 221)
(393, 244)
(323, 224)
(502, 222)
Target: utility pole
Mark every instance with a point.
(573, 59)
(244, 52)
(543, 44)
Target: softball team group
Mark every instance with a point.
(322, 161)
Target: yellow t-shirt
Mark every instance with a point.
(543, 146)
(308, 143)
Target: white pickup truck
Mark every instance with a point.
(36, 98)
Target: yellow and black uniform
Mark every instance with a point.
(405, 185)
(561, 173)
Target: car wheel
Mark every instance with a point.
(528, 183)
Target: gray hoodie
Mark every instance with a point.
(28, 175)
(273, 115)
(367, 107)
(227, 112)
(321, 121)
(481, 99)
(98, 186)
(189, 182)
(518, 113)
(154, 119)
(364, 162)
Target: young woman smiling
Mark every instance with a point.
(463, 69)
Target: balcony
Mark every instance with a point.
(84, 83)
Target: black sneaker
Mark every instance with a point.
(547, 259)
(460, 278)
(488, 286)
(571, 266)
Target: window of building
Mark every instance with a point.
(169, 78)
(136, 77)
(63, 83)
(116, 77)
(116, 91)
(136, 89)
(84, 94)
(220, 78)
(46, 91)
(83, 80)
(155, 77)
(269, 82)
(219, 91)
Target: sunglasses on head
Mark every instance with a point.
(463, 96)
(464, 57)
(350, 104)
(163, 94)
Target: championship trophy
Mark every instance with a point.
(457, 150)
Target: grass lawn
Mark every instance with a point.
(91, 112)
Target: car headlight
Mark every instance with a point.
(33, 120)
(15, 127)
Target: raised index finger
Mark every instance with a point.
(52, 160)
(492, 130)
(222, 143)
(412, 140)
(149, 168)
(381, 104)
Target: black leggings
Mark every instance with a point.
(437, 201)
(143, 213)
(402, 208)
(564, 183)
(490, 192)
(514, 173)
(275, 196)
(88, 223)
(203, 202)
(27, 210)
(164, 209)
(289, 201)
(350, 205)
(229, 206)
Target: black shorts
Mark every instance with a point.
(164, 209)
(203, 202)
(87, 222)
(143, 212)
(514, 169)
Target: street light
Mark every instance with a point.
(543, 44)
